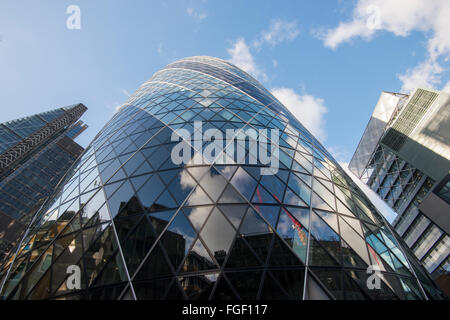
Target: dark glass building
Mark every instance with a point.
(35, 153)
(132, 223)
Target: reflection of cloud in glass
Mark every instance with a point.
(284, 224)
(198, 216)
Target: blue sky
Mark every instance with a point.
(328, 61)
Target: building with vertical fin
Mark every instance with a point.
(35, 153)
(136, 223)
(404, 156)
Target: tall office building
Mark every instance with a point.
(35, 153)
(404, 156)
(135, 222)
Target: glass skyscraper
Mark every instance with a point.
(35, 153)
(404, 156)
(131, 223)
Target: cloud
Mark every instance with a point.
(425, 75)
(160, 48)
(381, 205)
(241, 57)
(279, 31)
(197, 15)
(125, 92)
(447, 87)
(401, 17)
(309, 110)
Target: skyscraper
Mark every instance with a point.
(404, 156)
(35, 153)
(135, 222)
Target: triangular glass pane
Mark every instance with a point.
(113, 272)
(319, 203)
(270, 213)
(227, 171)
(243, 182)
(197, 215)
(144, 168)
(130, 208)
(198, 259)
(293, 233)
(291, 198)
(354, 240)
(332, 280)
(291, 281)
(165, 201)
(253, 225)
(318, 256)
(330, 218)
(223, 290)
(155, 265)
(160, 219)
(301, 214)
(214, 184)
(300, 188)
(98, 254)
(218, 235)
(281, 255)
(174, 292)
(356, 225)
(234, 213)
(196, 287)
(198, 197)
(138, 243)
(230, 195)
(271, 290)
(350, 257)
(314, 291)
(125, 225)
(181, 186)
(120, 198)
(150, 191)
(137, 182)
(241, 256)
(262, 196)
(178, 238)
(246, 284)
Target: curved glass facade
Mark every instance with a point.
(132, 224)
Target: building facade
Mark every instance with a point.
(404, 156)
(133, 222)
(35, 153)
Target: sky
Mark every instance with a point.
(327, 61)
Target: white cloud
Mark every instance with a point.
(125, 92)
(279, 31)
(425, 75)
(160, 48)
(197, 15)
(401, 17)
(382, 206)
(242, 57)
(447, 87)
(309, 110)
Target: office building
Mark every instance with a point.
(133, 222)
(404, 156)
(35, 153)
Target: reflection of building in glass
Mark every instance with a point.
(35, 153)
(146, 228)
(404, 156)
